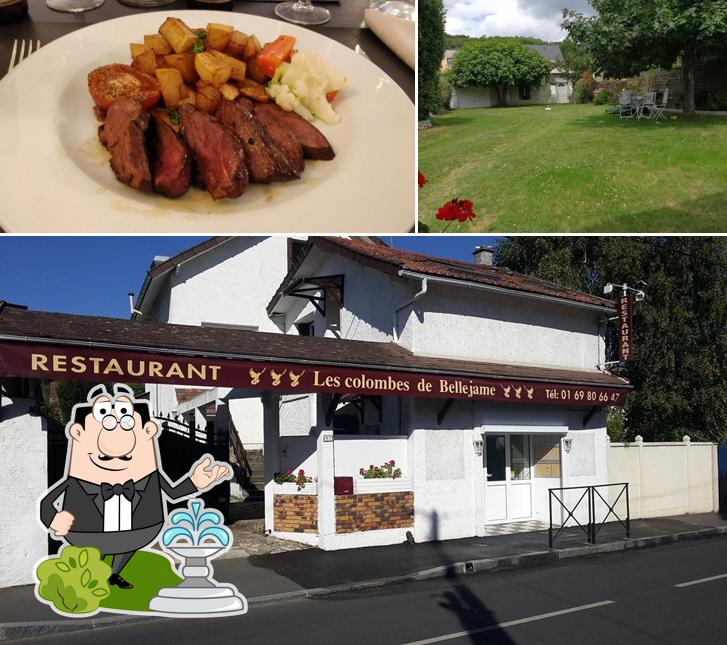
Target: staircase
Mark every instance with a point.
(249, 474)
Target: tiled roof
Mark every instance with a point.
(390, 260)
(132, 335)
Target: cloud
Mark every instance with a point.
(536, 18)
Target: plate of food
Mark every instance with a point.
(203, 121)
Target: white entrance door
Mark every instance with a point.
(508, 487)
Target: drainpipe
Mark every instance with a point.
(411, 301)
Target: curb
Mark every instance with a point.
(19, 631)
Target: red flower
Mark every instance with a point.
(290, 472)
(361, 471)
(371, 466)
(459, 209)
(422, 180)
(301, 472)
(392, 462)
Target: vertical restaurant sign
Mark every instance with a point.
(626, 328)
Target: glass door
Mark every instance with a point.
(508, 478)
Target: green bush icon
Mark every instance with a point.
(75, 582)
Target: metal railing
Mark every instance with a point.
(592, 527)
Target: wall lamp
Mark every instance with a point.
(478, 442)
(567, 444)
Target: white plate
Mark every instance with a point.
(55, 176)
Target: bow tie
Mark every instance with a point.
(109, 490)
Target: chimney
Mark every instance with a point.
(483, 255)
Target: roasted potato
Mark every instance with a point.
(208, 97)
(137, 50)
(254, 72)
(184, 63)
(146, 62)
(252, 90)
(158, 43)
(237, 66)
(178, 35)
(252, 48)
(217, 36)
(212, 69)
(171, 83)
(236, 44)
(230, 92)
(187, 95)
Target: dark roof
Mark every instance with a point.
(549, 52)
(132, 335)
(390, 260)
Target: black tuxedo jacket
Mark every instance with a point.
(84, 501)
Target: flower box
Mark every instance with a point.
(291, 488)
(399, 485)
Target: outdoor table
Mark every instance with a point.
(346, 27)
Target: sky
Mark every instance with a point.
(536, 18)
(93, 275)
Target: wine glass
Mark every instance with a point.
(302, 12)
(74, 6)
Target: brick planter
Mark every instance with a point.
(374, 511)
(295, 513)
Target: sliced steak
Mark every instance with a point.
(171, 160)
(218, 152)
(265, 162)
(282, 137)
(123, 135)
(315, 145)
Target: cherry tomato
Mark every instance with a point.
(111, 82)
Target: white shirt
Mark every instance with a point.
(117, 514)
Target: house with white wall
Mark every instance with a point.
(428, 307)
(557, 89)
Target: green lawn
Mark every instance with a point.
(575, 169)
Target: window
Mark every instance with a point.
(306, 328)
(359, 415)
(524, 92)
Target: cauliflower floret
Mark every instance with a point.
(302, 85)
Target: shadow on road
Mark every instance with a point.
(472, 613)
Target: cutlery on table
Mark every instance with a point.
(22, 48)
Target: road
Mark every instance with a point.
(673, 594)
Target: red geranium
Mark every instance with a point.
(459, 209)
(422, 180)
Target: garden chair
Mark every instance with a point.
(625, 104)
(649, 104)
(658, 112)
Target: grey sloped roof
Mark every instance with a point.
(550, 52)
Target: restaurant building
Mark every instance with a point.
(484, 387)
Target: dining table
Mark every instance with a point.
(347, 26)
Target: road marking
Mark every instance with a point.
(701, 580)
(511, 623)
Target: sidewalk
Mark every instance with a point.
(278, 577)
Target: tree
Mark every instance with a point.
(575, 62)
(630, 36)
(499, 63)
(680, 330)
(431, 52)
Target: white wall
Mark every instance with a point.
(442, 465)
(473, 97)
(665, 478)
(471, 324)
(23, 479)
(352, 452)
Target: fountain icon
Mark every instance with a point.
(195, 537)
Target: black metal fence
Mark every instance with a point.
(586, 500)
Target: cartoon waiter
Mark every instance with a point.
(112, 492)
